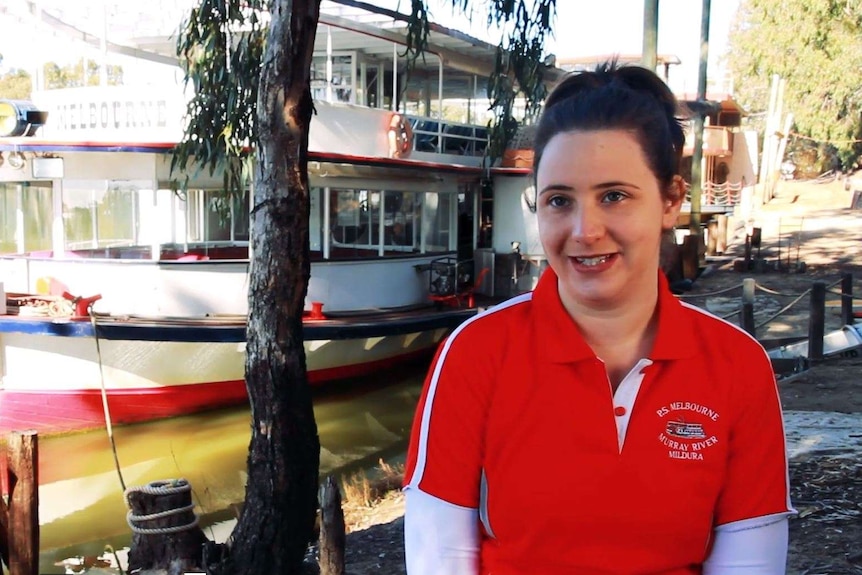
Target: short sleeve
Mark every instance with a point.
(756, 482)
(446, 449)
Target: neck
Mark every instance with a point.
(624, 331)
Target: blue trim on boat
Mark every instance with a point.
(377, 325)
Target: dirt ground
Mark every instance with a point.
(804, 222)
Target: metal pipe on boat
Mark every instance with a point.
(392, 104)
(439, 104)
(329, 64)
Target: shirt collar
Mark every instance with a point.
(561, 341)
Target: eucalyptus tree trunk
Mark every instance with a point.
(281, 495)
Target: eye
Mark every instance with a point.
(613, 196)
(558, 201)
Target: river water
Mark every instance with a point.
(81, 504)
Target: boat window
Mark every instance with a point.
(315, 220)
(402, 221)
(34, 201)
(353, 215)
(339, 86)
(213, 216)
(360, 226)
(439, 216)
(100, 213)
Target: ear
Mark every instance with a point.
(670, 213)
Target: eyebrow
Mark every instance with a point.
(599, 186)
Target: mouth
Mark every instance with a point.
(592, 261)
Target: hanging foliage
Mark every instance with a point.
(519, 71)
(220, 48)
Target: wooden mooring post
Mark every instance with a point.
(817, 321)
(19, 517)
(332, 531)
(165, 528)
(847, 299)
(747, 313)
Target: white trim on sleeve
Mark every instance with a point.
(440, 538)
(755, 546)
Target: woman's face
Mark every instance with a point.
(601, 215)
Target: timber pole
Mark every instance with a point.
(23, 509)
(695, 236)
(816, 320)
(332, 530)
(847, 299)
(697, 156)
(649, 55)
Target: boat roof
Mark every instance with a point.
(346, 162)
(148, 30)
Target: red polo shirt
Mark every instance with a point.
(518, 419)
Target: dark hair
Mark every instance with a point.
(617, 98)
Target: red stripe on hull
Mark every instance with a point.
(65, 411)
(55, 412)
(319, 376)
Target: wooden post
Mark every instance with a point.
(691, 256)
(847, 299)
(747, 319)
(165, 531)
(711, 238)
(22, 513)
(817, 321)
(721, 233)
(4, 510)
(748, 285)
(746, 316)
(332, 531)
(747, 265)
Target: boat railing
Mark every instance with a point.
(718, 194)
(443, 137)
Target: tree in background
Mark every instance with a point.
(15, 84)
(18, 84)
(252, 92)
(78, 75)
(816, 46)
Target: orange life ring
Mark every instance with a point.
(400, 135)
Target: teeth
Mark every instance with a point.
(592, 261)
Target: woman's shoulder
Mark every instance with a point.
(496, 320)
(710, 328)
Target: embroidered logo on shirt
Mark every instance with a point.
(686, 432)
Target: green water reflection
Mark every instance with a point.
(81, 506)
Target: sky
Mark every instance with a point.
(605, 27)
(583, 28)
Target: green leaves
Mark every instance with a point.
(518, 70)
(816, 46)
(220, 48)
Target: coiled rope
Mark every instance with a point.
(160, 488)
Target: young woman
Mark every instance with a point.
(598, 425)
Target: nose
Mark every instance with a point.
(587, 224)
